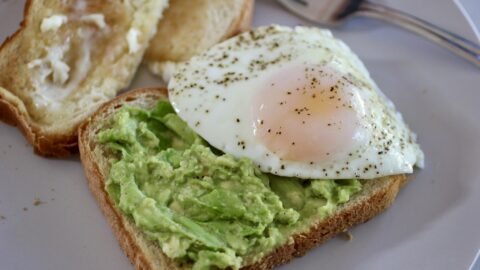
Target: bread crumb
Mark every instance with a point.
(346, 235)
(37, 202)
(25, 209)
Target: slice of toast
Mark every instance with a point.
(191, 26)
(67, 58)
(376, 196)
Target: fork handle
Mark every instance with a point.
(455, 43)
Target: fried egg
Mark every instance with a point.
(296, 101)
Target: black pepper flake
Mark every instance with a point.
(238, 120)
(282, 167)
(241, 144)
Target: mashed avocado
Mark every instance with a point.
(204, 207)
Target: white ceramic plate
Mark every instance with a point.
(433, 225)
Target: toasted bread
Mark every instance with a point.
(191, 26)
(376, 196)
(67, 58)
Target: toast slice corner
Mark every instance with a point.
(375, 197)
(191, 26)
(13, 112)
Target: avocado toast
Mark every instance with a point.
(121, 132)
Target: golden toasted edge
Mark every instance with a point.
(244, 21)
(137, 251)
(241, 24)
(147, 255)
(346, 218)
(13, 112)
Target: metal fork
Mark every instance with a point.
(334, 12)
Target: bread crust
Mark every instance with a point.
(244, 21)
(163, 55)
(147, 255)
(61, 142)
(117, 221)
(333, 225)
(48, 145)
(60, 145)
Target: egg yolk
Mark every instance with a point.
(308, 113)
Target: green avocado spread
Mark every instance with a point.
(203, 207)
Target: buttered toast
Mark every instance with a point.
(67, 58)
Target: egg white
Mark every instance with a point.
(214, 93)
